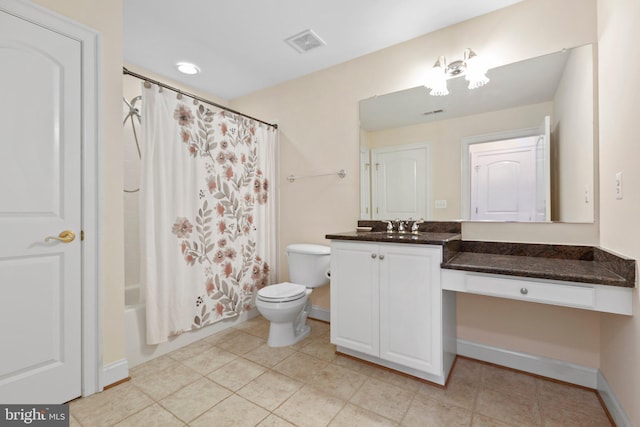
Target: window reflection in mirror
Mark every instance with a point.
(515, 103)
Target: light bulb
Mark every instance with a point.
(437, 78)
(476, 70)
(187, 68)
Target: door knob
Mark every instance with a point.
(66, 236)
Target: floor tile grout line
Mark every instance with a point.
(175, 392)
(539, 402)
(475, 398)
(153, 399)
(406, 411)
(338, 412)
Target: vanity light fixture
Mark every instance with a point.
(187, 68)
(470, 67)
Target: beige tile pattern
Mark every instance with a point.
(269, 356)
(339, 381)
(310, 407)
(210, 360)
(237, 374)
(151, 416)
(355, 416)
(383, 398)
(241, 343)
(232, 378)
(166, 381)
(196, 398)
(275, 421)
(424, 412)
(301, 366)
(110, 406)
(270, 389)
(510, 408)
(232, 412)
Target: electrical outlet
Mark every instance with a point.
(586, 194)
(619, 186)
(441, 204)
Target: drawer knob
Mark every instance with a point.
(524, 291)
(374, 256)
(381, 256)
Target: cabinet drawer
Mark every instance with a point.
(528, 290)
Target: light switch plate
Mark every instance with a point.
(441, 204)
(619, 186)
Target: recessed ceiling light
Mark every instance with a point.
(187, 68)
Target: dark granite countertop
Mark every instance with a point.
(583, 264)
(420, 238)
(571, 270)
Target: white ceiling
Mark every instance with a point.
(239, 44)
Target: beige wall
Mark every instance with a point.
(620, 151)
(574, 128)
(106, 18)
(319, 132)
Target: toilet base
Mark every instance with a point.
(283, 334)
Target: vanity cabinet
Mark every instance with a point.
(387, 306)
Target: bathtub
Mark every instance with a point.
(138, 351)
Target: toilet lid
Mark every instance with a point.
(281, 291)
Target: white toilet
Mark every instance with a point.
(286, 305)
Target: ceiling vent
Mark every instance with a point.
(305, 41)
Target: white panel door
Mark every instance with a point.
(400, 183)
(355, 296)
(40, 196)
(503, 184)
(411, 306)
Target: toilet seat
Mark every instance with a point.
(282, 292)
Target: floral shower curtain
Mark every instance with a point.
(207, 213)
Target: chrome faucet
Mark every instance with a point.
(401, 225)
(389, 226)
(415, 227)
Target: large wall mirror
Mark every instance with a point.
(520, 148)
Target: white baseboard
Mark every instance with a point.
(546, 367)
(611, 402)
(320, 313)
(551, 368)
(114, 372)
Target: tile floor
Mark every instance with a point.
(233, 378)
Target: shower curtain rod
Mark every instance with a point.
(166, 86)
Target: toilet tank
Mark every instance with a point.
(308, 264)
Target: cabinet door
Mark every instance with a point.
(410, 306)
(355, 296)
